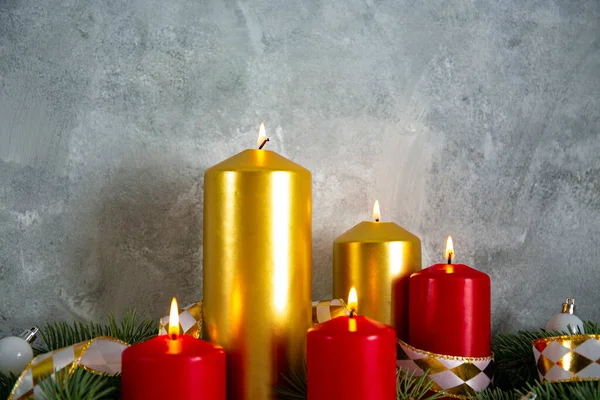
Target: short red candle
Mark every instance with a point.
(351, 364)
(450, 310)
(184, 368)
(173, 366)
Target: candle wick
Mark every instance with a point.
(352, 313)
(263, 144)
(450, 258)
(173, 336)
(376, 219)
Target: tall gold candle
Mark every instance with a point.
(377, 258)
(257, 267)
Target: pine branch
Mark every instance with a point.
(515, 363)
(6, 384)
(496, 394)
(61, 334)
(294, 386)
(411, 387)
(80, 385)
(408, 387)
(589, 390)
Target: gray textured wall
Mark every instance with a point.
(479, 119)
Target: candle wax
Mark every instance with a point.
(185, 368)
(377, 258)
(351, 359)
(450, 311)
(257, 268)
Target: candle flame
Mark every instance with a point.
(449, 253)
(262, 134)
(353, 300)
(353, 306)
(174, 319)
(376, 211)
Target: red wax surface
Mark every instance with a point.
(344, 365)
(450, 311)
(161, 368)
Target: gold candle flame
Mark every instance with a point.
(449, 253)
(262, 134)
(174, 319)
(376, 211)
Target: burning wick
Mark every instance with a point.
(450, 254)
(263, 144)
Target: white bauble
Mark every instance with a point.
(561, 321)
(15, 354)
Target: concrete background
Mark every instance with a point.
(474, 118)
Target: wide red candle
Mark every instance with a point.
(173, 366)
(351, 358)
(184, 368)
(450, 310)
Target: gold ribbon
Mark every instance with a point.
(101, 355)
(324, 310)
(453, 376)
(567, 358)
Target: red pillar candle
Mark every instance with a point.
(173, 366)
(351, 358)
(450, 309)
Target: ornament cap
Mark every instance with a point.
(568, 306)
(30, 334)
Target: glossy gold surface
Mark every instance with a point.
(377, 258)
(257, 268)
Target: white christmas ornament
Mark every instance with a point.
(16, 353)
(561, 321)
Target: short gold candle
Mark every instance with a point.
(257, 268)
(377, 258)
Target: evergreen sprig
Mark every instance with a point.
(410, 387)
(57, 335)
(80, 385)
(548, 391)
(293, 387)
(497, 394)
(565, 390)
(6, 384)
(515, 362)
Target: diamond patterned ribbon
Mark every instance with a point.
(568, 358)
(325, 310)
(458, 377)
(101, 355)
